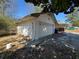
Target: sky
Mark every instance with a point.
(61, 17)
(25, 9)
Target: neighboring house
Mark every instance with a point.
(36, 25)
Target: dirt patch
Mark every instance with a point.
(77, 31)
(16, 41)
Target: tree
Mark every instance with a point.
(73, 17)
(12, 9)
(75, 23)
(3, 6)
(56, 6)
(7, 7)
(38, 9)
(6, 23)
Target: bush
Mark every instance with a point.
(6, 24)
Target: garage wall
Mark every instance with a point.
(46, 29)
(25, 30)
(40, 27)
(44, 26)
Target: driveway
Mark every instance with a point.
(71, 39)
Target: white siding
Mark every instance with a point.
(25, 30)
(36, 30)
(43, 29)
(46, 29)
(19, 29)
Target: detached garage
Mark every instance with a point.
(36, 25)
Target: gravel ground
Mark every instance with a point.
(57, 46)
(70, 39)
(45, 49)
